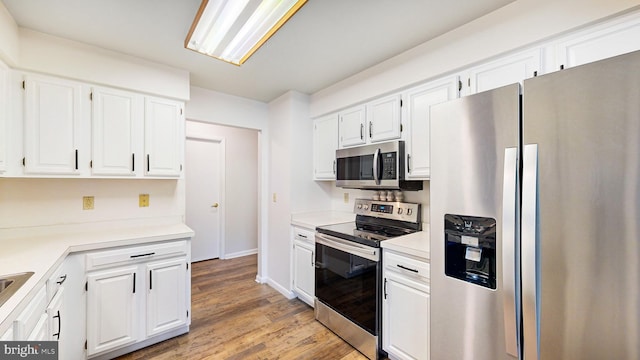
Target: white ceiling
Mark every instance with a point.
(325, 42)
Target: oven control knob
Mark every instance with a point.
(359, 206)
(366, 207)
(409, 211)
(399, 211)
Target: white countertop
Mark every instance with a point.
(311, 220)
(416, 244)
(42, 253)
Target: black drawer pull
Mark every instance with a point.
(406, 268)
(141, 255)
(62, 278)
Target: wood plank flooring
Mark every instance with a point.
(235, 318)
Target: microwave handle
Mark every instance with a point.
(376, 166)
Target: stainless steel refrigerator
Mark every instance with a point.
(535, 218)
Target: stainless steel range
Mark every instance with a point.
(349, 271)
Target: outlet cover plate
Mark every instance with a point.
(143, 200)
(87, 203)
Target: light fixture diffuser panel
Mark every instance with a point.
(232, 30)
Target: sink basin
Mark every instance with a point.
(9, 284)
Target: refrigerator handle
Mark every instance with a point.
(529, 228)
(510, 204)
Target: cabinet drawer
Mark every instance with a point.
(304, 235)
(55, 281)
(27, 320)
(416, 269)
(102, 259)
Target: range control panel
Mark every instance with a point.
(388, 209)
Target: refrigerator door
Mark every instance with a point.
(470, 138)
(581, 229)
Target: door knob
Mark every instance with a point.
(215, 205)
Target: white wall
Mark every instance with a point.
(290, 180)
(44, 202)
(514, 26)
(222, 109)
(241, 183)
(53, 55)
(8, 37)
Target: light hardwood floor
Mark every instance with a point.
(233, 317)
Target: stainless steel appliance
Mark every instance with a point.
(378, 166)
(348, 270)
(535, 218)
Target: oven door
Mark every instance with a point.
(346, 277)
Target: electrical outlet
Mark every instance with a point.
(346, 198)
(87, 203)
(143, 200)
(274, 197)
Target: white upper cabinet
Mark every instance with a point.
(117, 119)
(383, 118)
(4, 113)
(52, 125)
(417, 113)
(325, 143)
(601, 42)
(164, 139)
(507, 70)
(351, 127)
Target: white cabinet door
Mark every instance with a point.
(325, 143)
(163, 140)
(417, 117)
(112, 319)
(117, 119)
(304, 271)
(51, 125)
(4, 113)
(352, 126)
(41, 330)
(405, 319)
(383, 118)
(7, 336)
(508, 70)
(166, 295)
(601, 42)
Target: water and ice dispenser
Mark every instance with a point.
(470, 249)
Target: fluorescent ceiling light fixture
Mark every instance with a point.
(232, 30)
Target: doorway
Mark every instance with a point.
(204, 213)
(239, 184)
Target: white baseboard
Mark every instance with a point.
(240, 254)
(261, 279)
(281, 289)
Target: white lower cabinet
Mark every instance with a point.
(304, 264)
(405, 310)
(135, 294)
(166, 296)
(112, 298)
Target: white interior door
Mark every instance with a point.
(204, 176)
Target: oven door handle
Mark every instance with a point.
(350, 247)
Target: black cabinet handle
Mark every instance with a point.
(76, 159)
(133, 162)
(385, 288)
(334, 167)
(409, 163)
(147, 162)
(361, 131)
(62, 278)
(150, 280)
(370, 129)
(141, 255)
(134, 283)
(406, 268)
(57, 335)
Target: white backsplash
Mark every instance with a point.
(338, 197)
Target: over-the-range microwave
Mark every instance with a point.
(377, 166)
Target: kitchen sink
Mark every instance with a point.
(9, 284)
